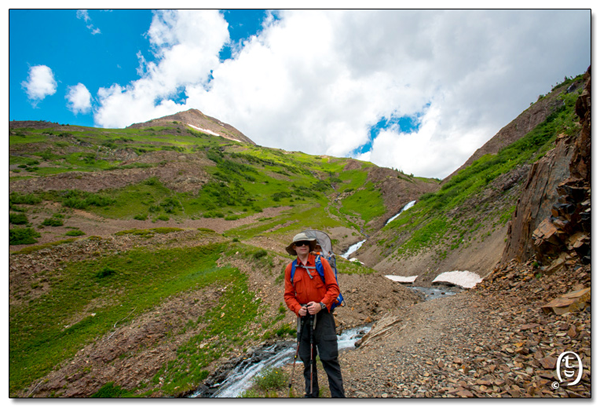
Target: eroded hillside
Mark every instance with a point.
(464, 225)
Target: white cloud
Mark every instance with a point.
(317, 80)
(85, 16)
(39, 84)
(79, 99)
(186, 45)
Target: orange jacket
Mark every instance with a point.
(304, 289)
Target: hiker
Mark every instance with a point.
(310, 297)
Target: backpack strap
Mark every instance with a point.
(340, 299)
(293, 271)
(319, 267)
(295, 264)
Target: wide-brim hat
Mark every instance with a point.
(301, 237)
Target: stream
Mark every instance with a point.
(407, 206)
(236, 375)
(432, 293)
(357, 245)
(353, 248)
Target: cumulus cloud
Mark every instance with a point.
(79, 99)
(39, 84)
(318, 80)
(186, 45)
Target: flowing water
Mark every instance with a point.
(357, 246)
(432, 293)
(407, 206)
(239, 378)
(353, 248)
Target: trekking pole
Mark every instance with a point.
(299, 333)
(312, 345)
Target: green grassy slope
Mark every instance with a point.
(240, 179)
(448, 219)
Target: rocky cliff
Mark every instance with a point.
(552, 219)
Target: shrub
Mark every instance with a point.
(285, 330)
(271, 379)
(23, 236)
(55, 220)
(109, 390)
(259, 254)
(152, 181)
(28, 199)
(74, 233)
(141, 216)
(81, 200)
(105, 272)
(277, 196)
(18, 218)
(170, 205)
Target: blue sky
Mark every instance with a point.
(415, 90)
(95, 47)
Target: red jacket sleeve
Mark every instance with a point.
(290, 294)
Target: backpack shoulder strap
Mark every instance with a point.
(319, 267)
(294, 264)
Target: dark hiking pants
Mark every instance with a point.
(326, 347)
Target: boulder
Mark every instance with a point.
(570, 302)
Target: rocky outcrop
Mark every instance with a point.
(32, 124)
(397, 190)
(552, 220)
(179, 172)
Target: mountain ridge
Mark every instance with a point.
(198, 121)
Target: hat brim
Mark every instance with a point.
(290, 249)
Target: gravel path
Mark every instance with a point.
(492, 341)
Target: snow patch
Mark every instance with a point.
(403, 279)
(465, 279)
(211, 132)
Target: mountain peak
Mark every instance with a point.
(197, 120)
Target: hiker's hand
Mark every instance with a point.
(302, 312)
(314, 308)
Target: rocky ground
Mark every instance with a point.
(500, 339)
(497, 340)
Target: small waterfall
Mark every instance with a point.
(240, 378)
(407, 206)
(353, 248)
